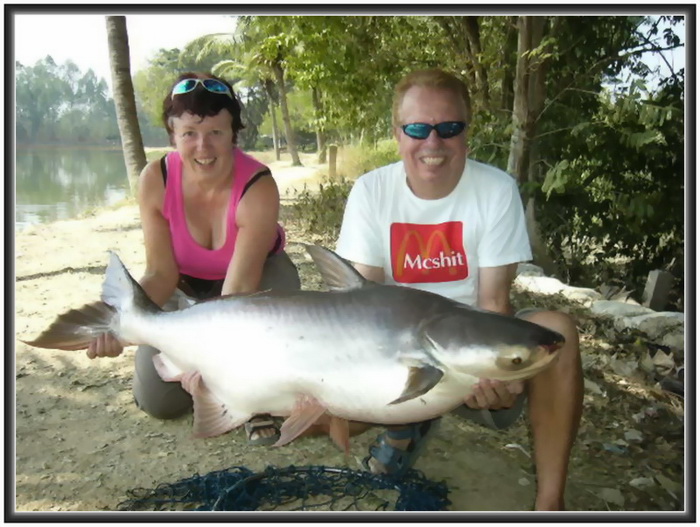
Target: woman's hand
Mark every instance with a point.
(106, 345)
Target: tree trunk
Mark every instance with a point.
(523, 126)
(540, 253)
(506, 64)
(453, 28)
(269, 90)
(275, 131)
(528, 102)
(288, 131)
(124, 102)
(471, 29)
(320, 133)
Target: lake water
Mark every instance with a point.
(63, 183)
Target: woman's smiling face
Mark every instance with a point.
(204, 144)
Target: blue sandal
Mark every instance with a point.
(397, 461)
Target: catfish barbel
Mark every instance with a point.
(361, 351)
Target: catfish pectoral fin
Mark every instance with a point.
(211, 417)
(420, 380)
(305, 413)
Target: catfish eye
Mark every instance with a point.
(517, 360)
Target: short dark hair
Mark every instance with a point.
(201, 102)
(430, 78)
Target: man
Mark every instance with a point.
(440, 222)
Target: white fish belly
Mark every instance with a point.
(257, 363)
(367, 397)
(253, 365)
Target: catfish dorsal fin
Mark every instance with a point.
(337, 273)
(120, 290)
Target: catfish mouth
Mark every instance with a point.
(554, 345)
(553, 348)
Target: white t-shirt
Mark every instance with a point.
(435, 245)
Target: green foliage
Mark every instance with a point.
(617, 193)
(359, 158)
(606, 168)
(321, 212)
(301, 113)
(151, 84)
(489, 137)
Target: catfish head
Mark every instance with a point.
(490, 345)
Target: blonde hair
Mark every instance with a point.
(430, 78)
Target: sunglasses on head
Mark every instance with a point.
(444, 130)
(212, 85)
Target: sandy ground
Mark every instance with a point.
(81, 443)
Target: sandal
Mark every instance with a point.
(261, 422)
(396, 461)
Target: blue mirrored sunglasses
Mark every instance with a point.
(444, 130)
(212, 85)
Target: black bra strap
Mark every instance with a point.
(164, 169)
(265, 172)
(278, 244)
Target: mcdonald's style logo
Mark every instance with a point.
(428, 253)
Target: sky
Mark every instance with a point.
(82, 38)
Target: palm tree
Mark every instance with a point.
(249, 76)
(260, 50)
(132, 143)
(266, 44)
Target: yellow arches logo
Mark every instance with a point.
(428, 253)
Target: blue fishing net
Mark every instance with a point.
(292, 489)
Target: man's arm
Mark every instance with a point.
(494, 288)
(494, 295)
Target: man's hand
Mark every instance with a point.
(494, 395)
(104, 346)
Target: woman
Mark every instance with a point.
(209, 217)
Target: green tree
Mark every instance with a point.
(535, 83)
(260, 45)
(616, 194)
(40, 95)
(253, 79)
(266, 45)
(60, 104)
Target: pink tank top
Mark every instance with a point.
(192, 259)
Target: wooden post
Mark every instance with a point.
(332, 156)
(656, 292)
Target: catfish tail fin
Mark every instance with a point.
(75, 329)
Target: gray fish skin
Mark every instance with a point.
(362, 351)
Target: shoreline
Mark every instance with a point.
(289, 180)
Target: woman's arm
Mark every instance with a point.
(161, 275)
(160, 279)
(256, 216)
